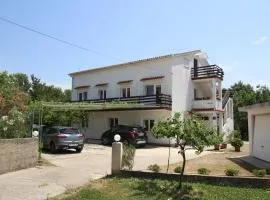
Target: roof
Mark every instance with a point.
(136, 62)
(258, 105)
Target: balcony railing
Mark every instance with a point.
(206, 104)
(209, 71)
(151, 100)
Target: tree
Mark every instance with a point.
(192, 131)
(244, 95)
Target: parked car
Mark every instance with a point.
(134, 135)
(56, 138)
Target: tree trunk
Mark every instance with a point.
(183, 154)
(169, 156)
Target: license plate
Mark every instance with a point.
(73, 145)
(141, 142)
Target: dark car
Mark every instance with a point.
(134, 135)
(58, 137)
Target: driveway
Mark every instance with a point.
(73, 170)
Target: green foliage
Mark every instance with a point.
(259, 172)
(191, 129)
(244, 95)
(154, 167)
(237, 142)
(203, 171)
(128, 156)
(231, 172)
(178, 169)
(235, 134)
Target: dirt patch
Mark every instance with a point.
(217, 162)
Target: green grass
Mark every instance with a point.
(116, 188)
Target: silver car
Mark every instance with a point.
(56, 138)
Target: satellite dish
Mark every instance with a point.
(35, 133)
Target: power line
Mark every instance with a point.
(49, 36)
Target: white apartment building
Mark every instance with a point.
(179, 82)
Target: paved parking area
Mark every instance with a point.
(73, 170)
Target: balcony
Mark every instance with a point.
(209, 71)
(201, 105)
(161, 100)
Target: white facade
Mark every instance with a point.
(258, 130)
(169, 75)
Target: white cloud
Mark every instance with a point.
(260, 40)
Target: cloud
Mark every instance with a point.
(260, 40)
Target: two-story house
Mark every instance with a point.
(162, 85)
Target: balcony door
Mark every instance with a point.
(152, 90)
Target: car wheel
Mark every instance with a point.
(79, 150)
(104, 141)
(52, 147)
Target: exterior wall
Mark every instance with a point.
(252, 114)
(99, 122)
(228, 124)
(18, 154)
(182, 86)
(133, 72)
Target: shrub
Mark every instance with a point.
(203, 171)
(231, 172)
(237, 142)
(178, 169)
(154, 167)
(128, 156)
(235, 134)
(259, 172)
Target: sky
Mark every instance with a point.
(234, 34)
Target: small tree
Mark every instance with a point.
(192, 132)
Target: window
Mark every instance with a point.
(84, 95)
(102, 94)
(149, 90)
(125, 92)
(148, 124)
(113, 122)
(80, 96)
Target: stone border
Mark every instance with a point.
(216, 180)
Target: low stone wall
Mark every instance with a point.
(216, 180)
(18, 154)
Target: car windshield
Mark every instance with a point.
(69, 131)
(138, 129)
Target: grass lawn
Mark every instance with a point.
(117, 188)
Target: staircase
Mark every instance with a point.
(225, 98)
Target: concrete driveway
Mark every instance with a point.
(73, 170)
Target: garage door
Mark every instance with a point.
(261, 145)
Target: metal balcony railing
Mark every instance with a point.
(155, 100)
(209, 71)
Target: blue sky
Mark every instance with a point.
(234, 34)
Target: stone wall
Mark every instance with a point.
(215, 180)
(18, 154)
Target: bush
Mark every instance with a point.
(203, 171)
(235, 134)
(237, 142)
(178, 169)
(259, 172)
(128, 156)
(154, 167)
(231, 172)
